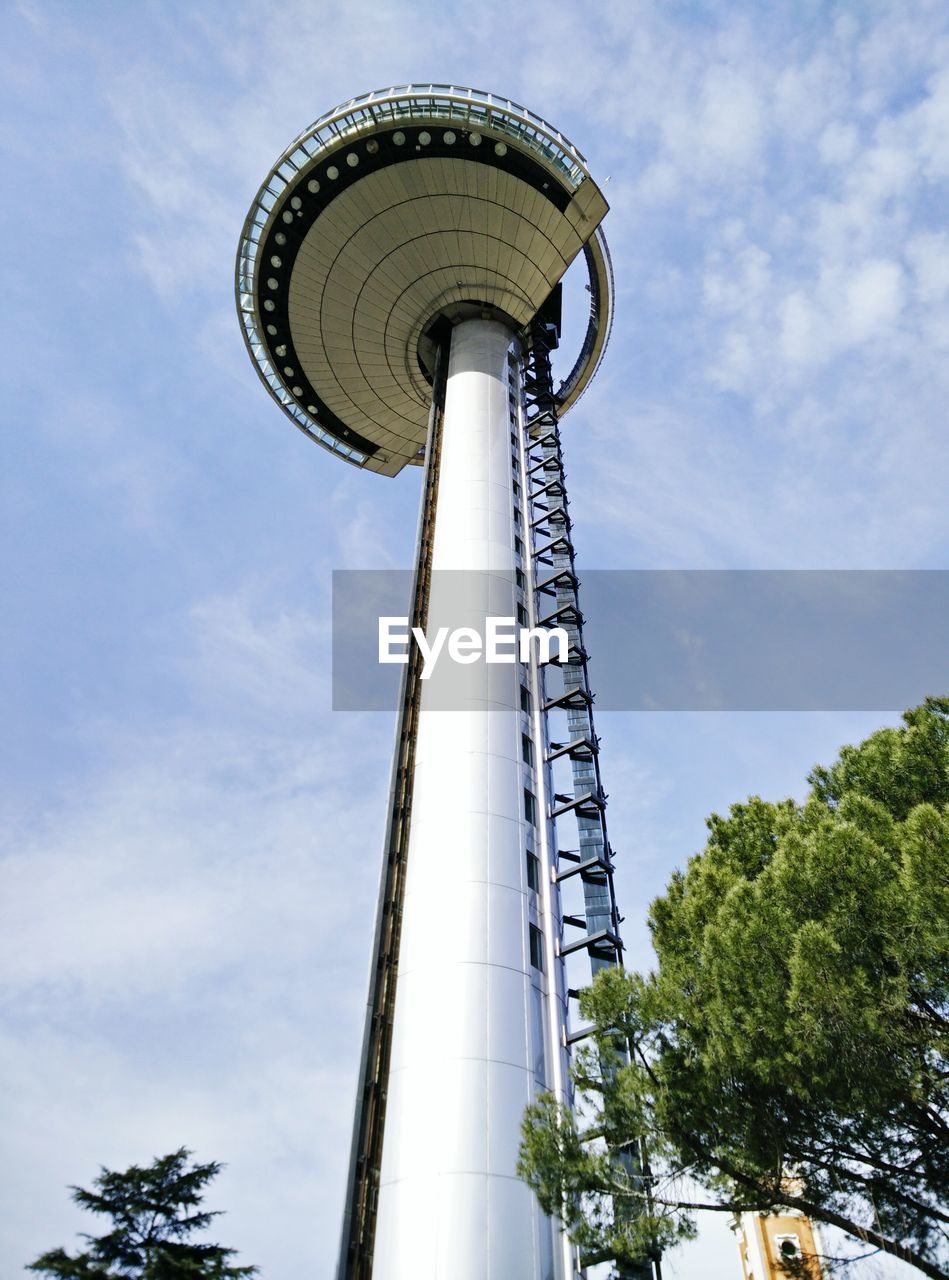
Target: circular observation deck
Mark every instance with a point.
(394, 209)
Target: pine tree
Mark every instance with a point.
(792, 1045)
(155, 1211)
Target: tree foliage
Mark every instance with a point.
(791, 1047)
(155, 1211)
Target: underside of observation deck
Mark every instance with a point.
(394, 211)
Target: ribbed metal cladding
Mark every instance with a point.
(392, 250)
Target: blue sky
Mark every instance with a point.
(190, 838)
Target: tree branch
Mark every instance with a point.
(823, 1213)
(927, 1210)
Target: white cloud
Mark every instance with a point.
(845, 309)
(731, 120)
(873, 299)
(928, 254)
(800, 339)
(675, 488)
(201, 857)
(930, 123)
(262, 663)
(738, 282)
(838, 143)
(805, 93)
(881, 173)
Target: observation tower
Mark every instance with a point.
(398, 283)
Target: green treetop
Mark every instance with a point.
(154, 1213)
(791, 1047)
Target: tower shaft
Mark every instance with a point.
(473, 1038)
(468, 1010)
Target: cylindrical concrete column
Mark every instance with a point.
(470, 1025)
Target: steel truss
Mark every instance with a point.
(556, 585)
(557, 590)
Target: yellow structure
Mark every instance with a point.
(768, 1242)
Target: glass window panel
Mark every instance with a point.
(530, 807)
(533, 872)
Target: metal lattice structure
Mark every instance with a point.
(557, 585)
